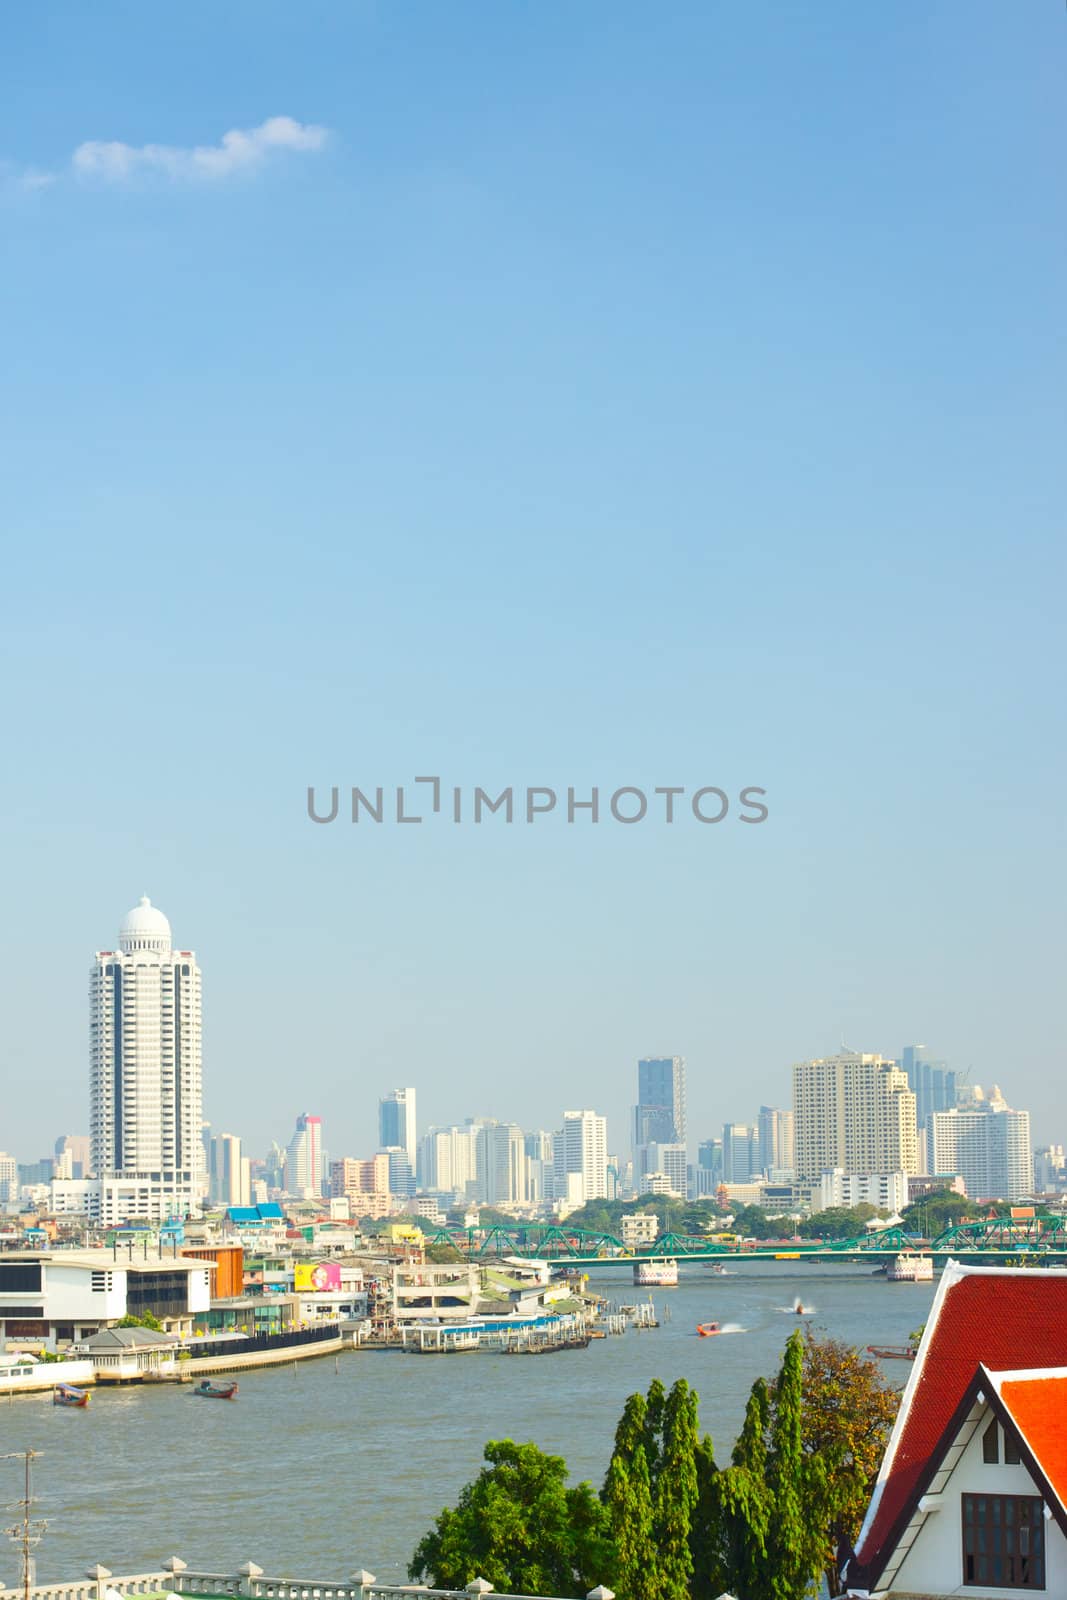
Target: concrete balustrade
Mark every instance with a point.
(250, 1583)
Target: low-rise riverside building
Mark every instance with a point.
(51, 1298)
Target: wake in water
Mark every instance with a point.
(798, 1309)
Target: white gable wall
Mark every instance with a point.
(934, 1564)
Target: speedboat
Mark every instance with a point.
(706, 1330)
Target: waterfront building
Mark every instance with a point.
(582, 1155)
(145, 1074)
(886, 1191)
(970, 1496)
(989, 1145)
(777, 1156)
(640, 1228)
(58, 1296)
(740, 1152)
(304, 1174)
(396, 1123)
(931, 1082)
(855, 1112)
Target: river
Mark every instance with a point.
(318, 1469)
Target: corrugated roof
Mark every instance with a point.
(997, 1316)
(1037, 1402)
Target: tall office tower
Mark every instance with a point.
(304, 1176)
(448, 1160)
(740, 1152)
(396, 1123)
(9, 1182)
(501, 1176)
(231, 1177)
(855, 1112)
(581, 1157)
(988, 1146)
(776, 1142)
(401, 1172)
(932, 1084)
(659, 1115)
(145, 1073)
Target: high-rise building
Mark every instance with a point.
(583, 1157)
(988, 1146)
(448, 1160)
(660, 1115)
(401, 1172)
(668, 1161)
(501, 1176)
(855, 1112)
(145, 1073)
(77, 1147)
(9, 1182)
(540, 1165)
(931, 1082)
(740, 1152)
(396, 1123)
(304, 1175)
(708, 1171)
(776, 1141)
(231, 1175)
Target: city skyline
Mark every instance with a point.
(667, 402)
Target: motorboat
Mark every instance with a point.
(65, 1394)
(707, 1330)
(216, 1391)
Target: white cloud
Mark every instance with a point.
(240, 150)
(34, 179)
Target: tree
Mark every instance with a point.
(846, 1415)
(146, 1320)
(839, 1222)
(650, 1494)
(676, 1493)
(752, 1222)
(627, 1499)
(520, 1528)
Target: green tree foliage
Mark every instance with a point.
(752, 1222)
(147, 1320)
(650, 1494)
(931, 1213)
(839, 1222)
(846, 1416)
(520, 1528)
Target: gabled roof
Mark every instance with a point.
(1036, 1402)
(127, 1339)
(996, 1316)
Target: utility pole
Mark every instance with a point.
(26, 1532)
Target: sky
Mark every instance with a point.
(561, 396)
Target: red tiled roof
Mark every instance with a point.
(1038, 1406)
(1003, 1318)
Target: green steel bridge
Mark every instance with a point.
(1040, 1240)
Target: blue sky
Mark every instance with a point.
(610, 394)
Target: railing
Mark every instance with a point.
(250, 1583)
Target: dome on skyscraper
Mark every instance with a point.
(144, 928)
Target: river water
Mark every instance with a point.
(319, 1469)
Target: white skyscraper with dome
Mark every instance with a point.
(145, 1064)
